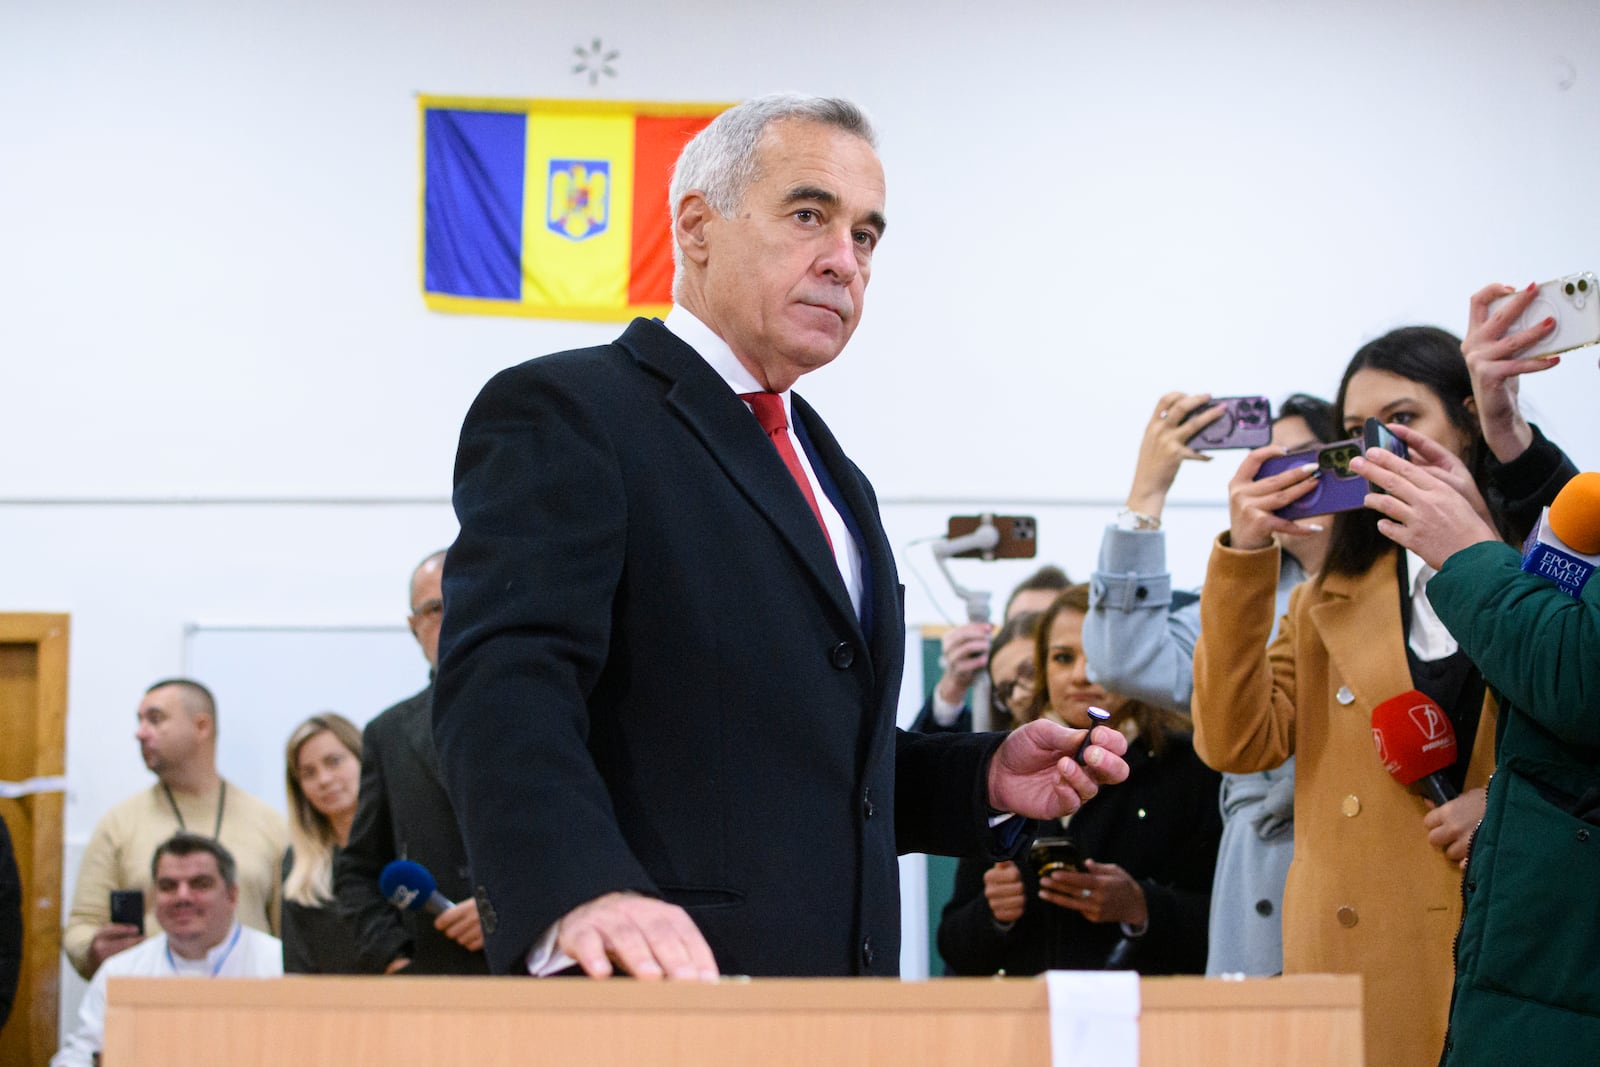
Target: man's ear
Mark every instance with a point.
(689, 226)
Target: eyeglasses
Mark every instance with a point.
(1020, 686)
(432, 608)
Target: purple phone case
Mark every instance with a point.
(1331, 494)
(1247, 423)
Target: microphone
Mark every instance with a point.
(1565, 546)
(409, 887)
(1416, 743)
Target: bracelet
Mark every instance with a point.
(1128, 519)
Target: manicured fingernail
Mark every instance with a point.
(1314, 527)
(1547, 323)
(1532, 286)
(1306, 468)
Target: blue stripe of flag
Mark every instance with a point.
(472, 210)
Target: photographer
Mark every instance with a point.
(1374, 888)
(1140, 637)
(1525, 987)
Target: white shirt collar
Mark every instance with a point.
(688, 328)
(1430, 638)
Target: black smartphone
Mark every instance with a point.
(1048, 854)
(1019, 536)
(127, 906)
(1375, 434)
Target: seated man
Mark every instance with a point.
(197, 892)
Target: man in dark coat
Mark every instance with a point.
(673, 635)
(403, 812)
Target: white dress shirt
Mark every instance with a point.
(1430, 638)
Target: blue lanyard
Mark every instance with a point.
(222, 959)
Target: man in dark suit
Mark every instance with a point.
(673, 635)
(403, 812)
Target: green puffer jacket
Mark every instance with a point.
(1527, 986)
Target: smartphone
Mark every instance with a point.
(1338, 488)
(127, 906)
(1375, 434)
(1048, 854)
(1573, 301)
(1246, 422)
(1019, 536)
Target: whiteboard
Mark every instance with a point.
(268, 679)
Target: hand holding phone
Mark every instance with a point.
(1246, 422)
(1573, 302)
(127, 907)
(1338, 487)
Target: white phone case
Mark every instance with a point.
(1574, 302)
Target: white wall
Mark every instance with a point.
(224, 402)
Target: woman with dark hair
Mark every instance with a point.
(1147, 845)
(323, 774)
(1374, 887)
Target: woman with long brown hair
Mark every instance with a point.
(1147, 846)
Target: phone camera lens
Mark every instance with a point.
(1583, 285)
(1571, 288)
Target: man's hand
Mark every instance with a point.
(1002, 888)
(965, 652)
(460, 924)
(1421, 512)
(109, 940)
(1105, 893)
(645, 937)
(1496, 365)
(1034, 772)
(1166, 445)
(1251, 522)
(1450, 825)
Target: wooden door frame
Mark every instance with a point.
(36, 824)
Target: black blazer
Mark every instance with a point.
(1162, 826)
(403, 812)
(652, 678)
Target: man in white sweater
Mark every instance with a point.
(197, 892)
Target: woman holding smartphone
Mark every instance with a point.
(1147, 847)
(1375, 885)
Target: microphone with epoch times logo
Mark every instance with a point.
(1565, 546)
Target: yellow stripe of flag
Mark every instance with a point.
(577, 219)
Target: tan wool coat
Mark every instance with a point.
(1366, 893)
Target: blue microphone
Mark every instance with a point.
(409, 887)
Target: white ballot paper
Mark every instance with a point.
(1094, 1018)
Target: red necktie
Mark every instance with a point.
(768, 408)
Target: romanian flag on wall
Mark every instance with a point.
(550, 208)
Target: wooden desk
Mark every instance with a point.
(309, 1022)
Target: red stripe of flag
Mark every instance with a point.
(656, 144)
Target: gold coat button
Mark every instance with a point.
(1344, 696)
(1351, 806)
(1347, 916)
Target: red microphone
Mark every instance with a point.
(1416, 743)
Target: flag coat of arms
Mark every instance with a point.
(550, 208)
